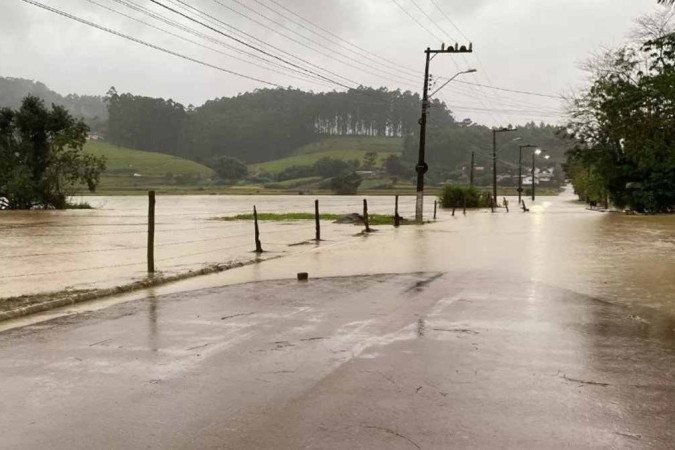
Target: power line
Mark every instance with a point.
(253, 47)
(367, 69)
(203, 36)
(147, 44)
(538, 94)
(429, 18)
(417, 21)
(367, 54)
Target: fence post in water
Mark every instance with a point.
(453, 210)
(151, 232)
(365, 215)
(464, 205)
(525, 209)
(435, 206)
(492, 204)
(258, 246)
(317, 220)
(397, 219)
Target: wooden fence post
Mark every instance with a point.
(365, 215)
(397, 218)
(258, 246)
(464, 206)
(436, 205)
(317, 220)
(151, 232)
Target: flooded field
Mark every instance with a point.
(626, 259)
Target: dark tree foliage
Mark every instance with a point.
(329, 167)
(449, 146)
(146, 123)
(624, 129)
(41, 156)
(262, 125)
(228, 168)
(293, 172)
(393, 166)
(346, 183)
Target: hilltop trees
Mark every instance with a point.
(262, 125)
(623, 125)
(41, 156)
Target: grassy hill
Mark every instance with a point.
(129, 169)
(346, 148)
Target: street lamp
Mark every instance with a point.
(537, 152)
(494, 158)
(422, 167)
(520, 168)
(452, 78)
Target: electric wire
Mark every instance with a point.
(145, 43)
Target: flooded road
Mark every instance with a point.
(46, 251)
(551, 329)
(611, 256)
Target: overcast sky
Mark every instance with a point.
(532, 45)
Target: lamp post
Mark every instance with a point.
(494, 158)
(535, 153)
(422, 167)
(520, 169)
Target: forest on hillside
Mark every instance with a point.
(269, 124)
(91, 108)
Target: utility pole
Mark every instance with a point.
(494, 158)
(472, 164)
(422, 167)
(520, 169)
(533, 155)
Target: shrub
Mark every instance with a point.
(346, 184)
(454, 195)
(293, 172)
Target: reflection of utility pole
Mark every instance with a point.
(494, 159)
(422, 167)
(472, 163)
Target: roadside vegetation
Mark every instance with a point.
(623, 123)
(458, 196)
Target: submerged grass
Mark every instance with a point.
(373, 219)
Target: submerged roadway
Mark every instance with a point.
(460, 357)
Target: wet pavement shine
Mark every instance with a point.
(432, 337)
(422, 360)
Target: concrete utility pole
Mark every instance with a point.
(422, 167)
(494, 158)
(520, 169)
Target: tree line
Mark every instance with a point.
(262, 125)
(623, 123)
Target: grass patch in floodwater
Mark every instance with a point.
(80, 205)
(373, 219)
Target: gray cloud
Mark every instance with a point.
(521, 44)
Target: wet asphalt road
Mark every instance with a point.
(463, 359)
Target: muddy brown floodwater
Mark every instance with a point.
(611, 256)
